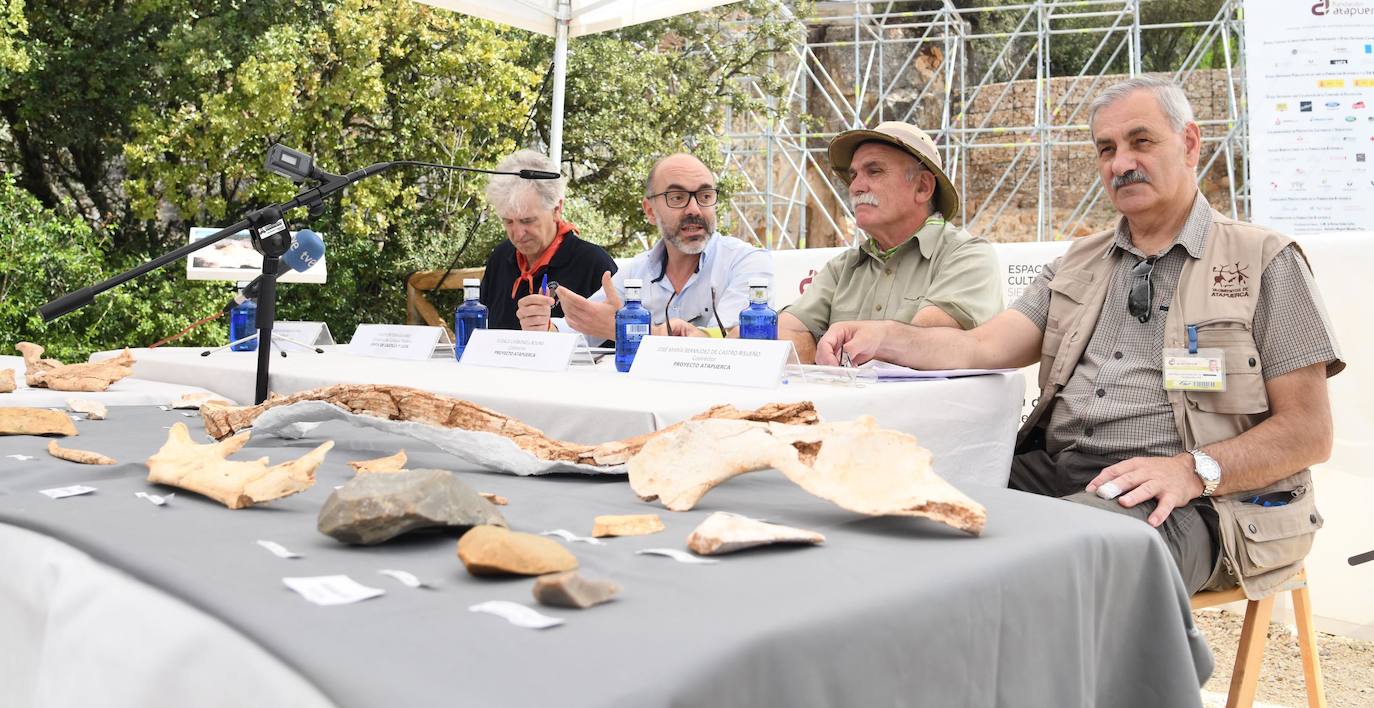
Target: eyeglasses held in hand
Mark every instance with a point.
(1142, 293)
(677, 198)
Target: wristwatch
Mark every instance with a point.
(1208, 469)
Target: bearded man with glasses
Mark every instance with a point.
(695, 280)
(1183, 360)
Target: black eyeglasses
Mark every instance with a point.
(677, 198)
(668, 323)
(1142, 293)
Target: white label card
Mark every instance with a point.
(64, 492)
(332, 589)
(410, 342)
(516, 614)
(278, 550)
(407, 579)
(305, 334)
(730, 362)
(675, 554)
(515, 349)
(571, 537)
(154, 499)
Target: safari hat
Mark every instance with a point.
(902, 136)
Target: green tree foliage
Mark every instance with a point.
(145, 117)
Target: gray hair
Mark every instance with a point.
(504, 190)
(1168, 93)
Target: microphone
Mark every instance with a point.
(537, 174)
(307, 248)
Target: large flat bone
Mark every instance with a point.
(855, 465)
(401, 403)
(204, 469)
(35, 421)
(53, 374)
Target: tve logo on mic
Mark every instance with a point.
(234, 258)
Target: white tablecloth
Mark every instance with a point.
(125, 392)
(968, 424)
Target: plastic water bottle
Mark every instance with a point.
(469, 317)
(758, 321)
(243, 322)
(631, 325)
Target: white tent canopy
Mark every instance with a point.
(562, 19)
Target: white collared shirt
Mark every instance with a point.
(727, 264)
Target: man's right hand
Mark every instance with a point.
(596, 319)
(861, 340)
(534, 312)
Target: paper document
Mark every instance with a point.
(892, 372)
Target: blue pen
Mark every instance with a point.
(544, 285)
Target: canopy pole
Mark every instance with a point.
(560, 77)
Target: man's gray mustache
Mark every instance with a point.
(868, 198)
(1132, 177)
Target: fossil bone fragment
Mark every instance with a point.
(400, 403)
(390, 463)
(7, 381)
(496, 499)
(84, 457)
(856, 465)
(194, 401)
(204, 469)
(53, 374)
(35, 421)
(94, 410)
(570, 589)
(722, 532)
(631, 525)
(492, 550)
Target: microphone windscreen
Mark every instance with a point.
(538, 174)
(306, 250)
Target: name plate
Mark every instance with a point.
(517, 349)
(731, 362)
(410, 342)
(305, 334)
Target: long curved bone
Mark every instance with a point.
(856, 465)
(402, 403)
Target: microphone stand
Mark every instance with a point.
(270, 237)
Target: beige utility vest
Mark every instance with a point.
(1261, 546)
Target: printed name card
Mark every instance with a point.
(301, 336)
(515, 349)
(731, 362)
(410, 342)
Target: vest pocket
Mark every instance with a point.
(1272, 537)
(1068, 292)
(1245, 393)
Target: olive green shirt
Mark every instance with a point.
(939, 265)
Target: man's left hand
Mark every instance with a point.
(1170, 480)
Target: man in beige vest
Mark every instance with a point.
(1136, 330)
(915, 266)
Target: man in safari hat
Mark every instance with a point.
(915, 266)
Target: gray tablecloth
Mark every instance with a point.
(1056, 605)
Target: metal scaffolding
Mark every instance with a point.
(1008, 115)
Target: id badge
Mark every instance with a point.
(1203, 370)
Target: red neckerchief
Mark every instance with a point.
(527, 271)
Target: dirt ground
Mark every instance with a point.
(1347, 665)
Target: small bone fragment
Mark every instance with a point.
(53, 374)
(726, 533)
(194, 401)
(496, 499)
(204, 469)
(390, 463)
(414, 405)
(856, 465)
(94, 410)
(572, 590)
(631, 525)
(7, 380)
(492, 550)
(35, 421)
(84, 457)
